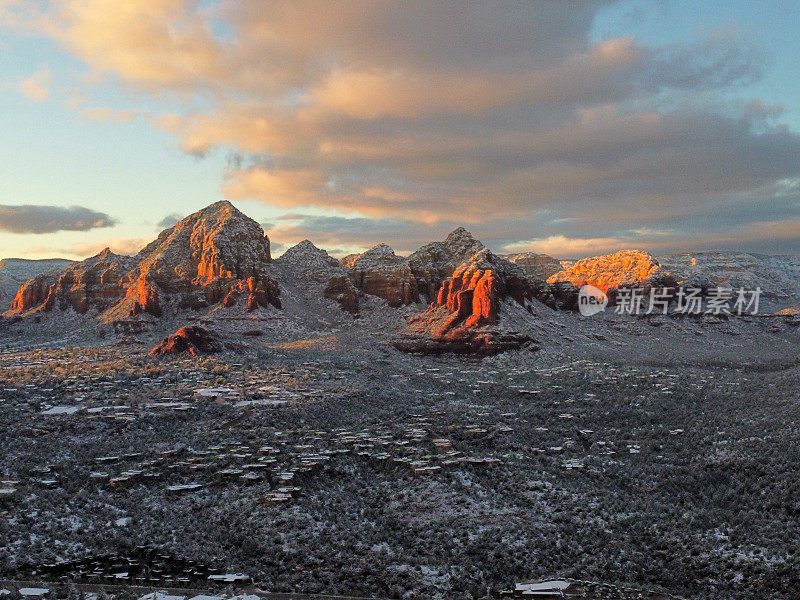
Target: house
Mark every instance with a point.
(32, 593)
(230, 578)
(551, 588)
(161, 596)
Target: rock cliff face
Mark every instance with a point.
(467, 310)
(93, 283)
(211, 256)
(625, 269)
(473, 293)
(435, 262)
(312, 267)
(380, 272)
(537, 267)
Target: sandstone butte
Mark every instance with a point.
(624, 269)
(465, 316)
(380, 272)
(405, 280)
(473, 294)
(214, 255)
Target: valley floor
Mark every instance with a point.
(328, 465)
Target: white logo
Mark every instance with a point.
(591, 300)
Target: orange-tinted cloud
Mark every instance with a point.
(37, 86)
(432, 113)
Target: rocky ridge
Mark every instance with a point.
(778, 276)
(624, 269)
(406, 280)
(466, 315)
(16, 271)
(212, 256)
(93, 283)
(215, 267)
(380, 272)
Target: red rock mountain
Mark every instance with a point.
(400, 280)
(214, 255)
(624, 269)
(467, 309)
(380, 272)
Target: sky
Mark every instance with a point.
(569, 128)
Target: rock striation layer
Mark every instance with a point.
(380, 272)
(624, 269)
(212, 256)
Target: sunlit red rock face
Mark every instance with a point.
(467, 308)
(192, 339)
(473, 293)
(212, 256)
(401, 281)
(218, 242)
(435, 262)
(379, 272)
(93, 283)
(625, 269)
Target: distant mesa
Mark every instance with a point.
(538, 267)
(624, 269)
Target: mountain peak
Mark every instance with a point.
(379, 255)
(216, 241)
(461, 242)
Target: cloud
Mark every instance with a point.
(37, 86)
(412, 117)
(170, 220)
(117, 245)
(105, 114)
(30, 218)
